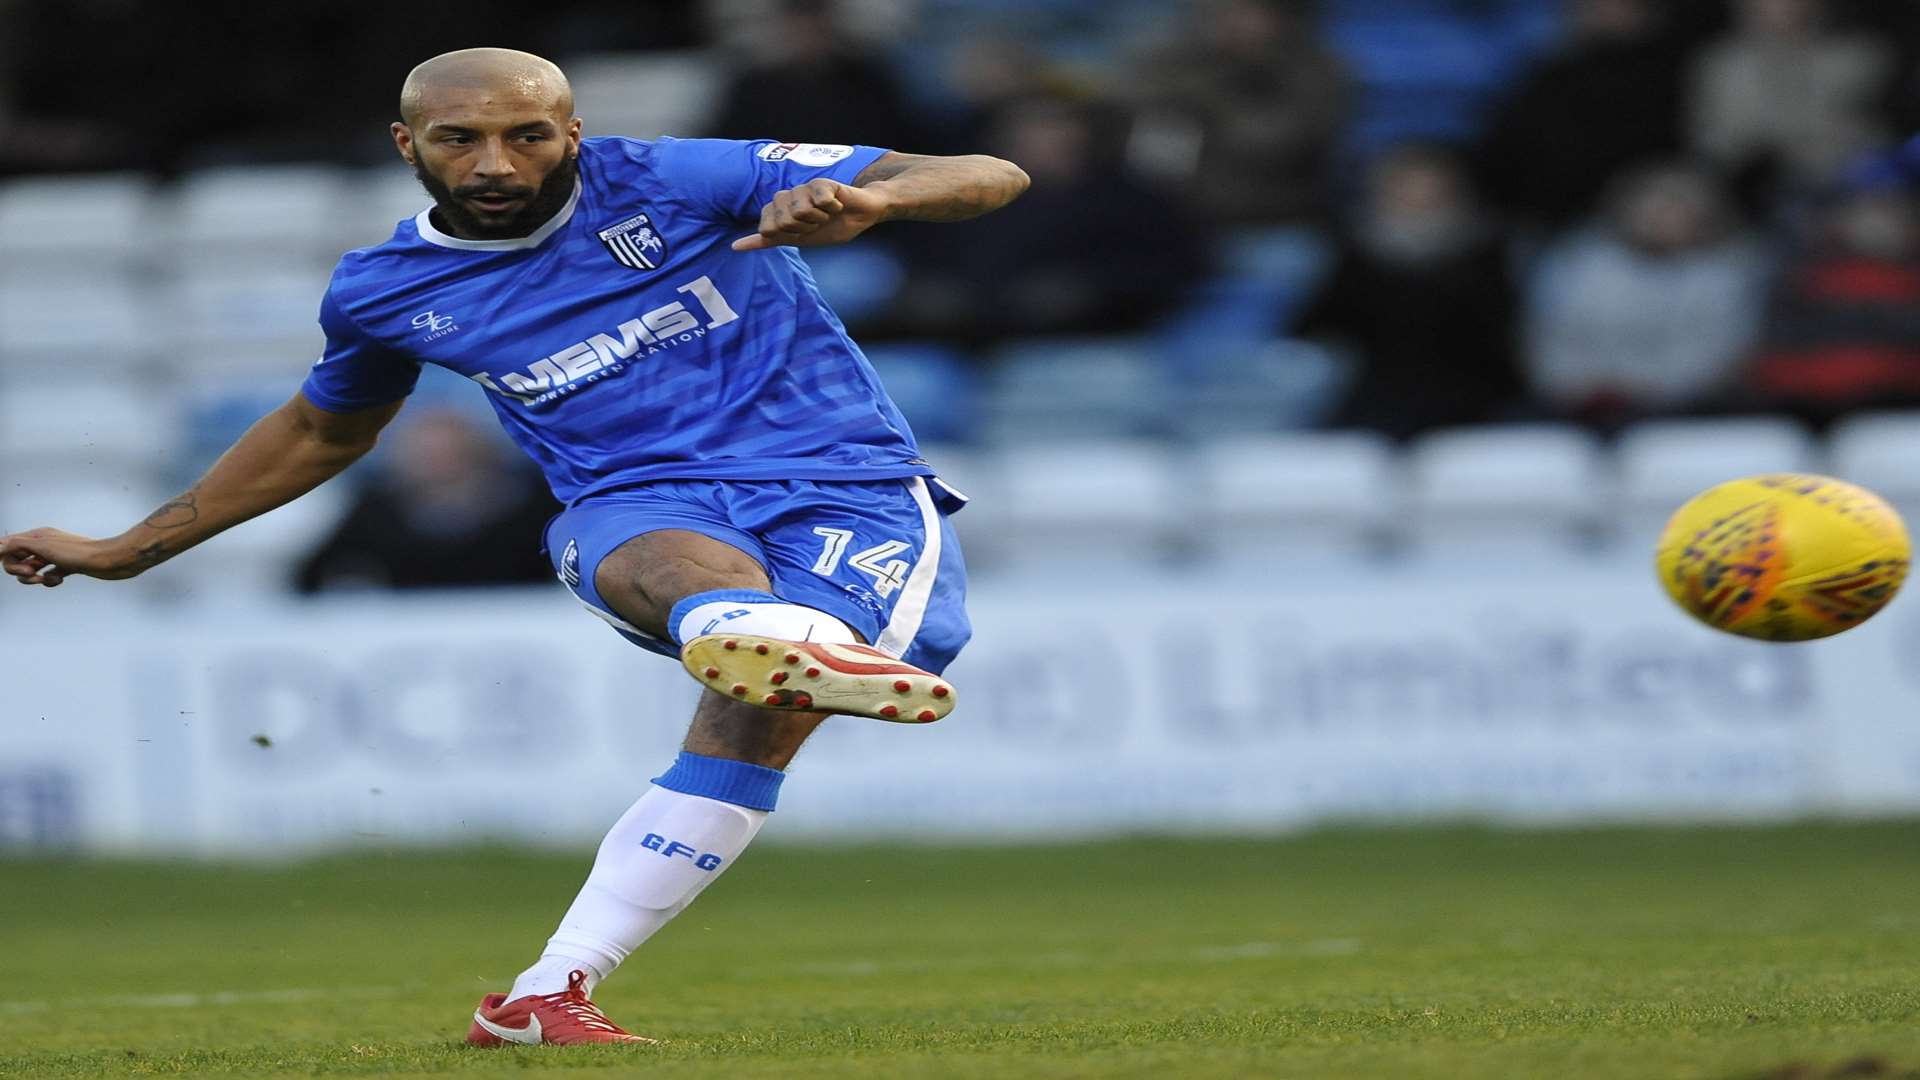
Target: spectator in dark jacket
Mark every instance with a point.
(452, 511)
(1243, 111)
(1420, 296)
(1610, 98)
(816, 84)
(1088, 249)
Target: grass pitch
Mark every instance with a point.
(1430, 953)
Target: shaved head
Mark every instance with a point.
(489, 72)
(492, 136)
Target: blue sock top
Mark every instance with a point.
(741, 783)
(750, 596)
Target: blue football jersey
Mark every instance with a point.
(624, 341)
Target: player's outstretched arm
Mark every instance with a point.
(289, 452)
(896, 187)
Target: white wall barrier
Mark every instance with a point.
(1151, 703)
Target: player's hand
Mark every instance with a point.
(49, 556)
(816, 213)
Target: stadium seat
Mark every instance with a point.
(80, 424)
(1223, 388)
(66, 323)
(230, 319)
(268, 215)
(1073, 506)
(1267, 274)
(1232, 309)
(1067, 387)
(1289, 256)
(859, 280)
(1495, 495)
(982, 524)
(1663, 463)
(1316, 496)
(935, 386)
(1880, 451)
(380, 198)
(89, 500)
(217, 409)
(74, 221)
(645, 95)
(1437, 51)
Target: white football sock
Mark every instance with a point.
(665, 849)
(740, 611)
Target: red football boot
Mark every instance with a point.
(856, 680)
(559, 1019)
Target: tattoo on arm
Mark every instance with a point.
(176, 512)
(149, 555)
(944, 188)
(886, 167)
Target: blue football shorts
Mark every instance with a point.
(879, 555)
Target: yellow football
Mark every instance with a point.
(1783, 557)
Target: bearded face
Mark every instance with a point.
(486, 209)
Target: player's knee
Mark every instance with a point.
(643, 578)
(645, 595)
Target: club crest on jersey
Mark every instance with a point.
(635, 243)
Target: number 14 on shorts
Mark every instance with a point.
(877, 562)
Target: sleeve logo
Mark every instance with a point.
(818, 155)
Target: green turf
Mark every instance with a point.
(1443, 953)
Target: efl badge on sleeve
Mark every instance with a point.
(635, 243)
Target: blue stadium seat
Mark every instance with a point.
(55, 321)
(63, 418)
(1419, 51)
(977, 474)
(936, 386)
(1230, 309)
(1268, 274)
(234, 318)
(1074, 506)
(1324, 496)
(1290, 256)
(215, 412)
(1045, 388)
(381, 198)
(1663, 463)
(1223, 387)
(1502, 495)
(263, 215)
(859, 280)
(1428, 70)
(649, 94)
(80, 221)
(1881, 451)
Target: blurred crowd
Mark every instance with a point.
(1481, 210)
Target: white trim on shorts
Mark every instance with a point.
(897, 636)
